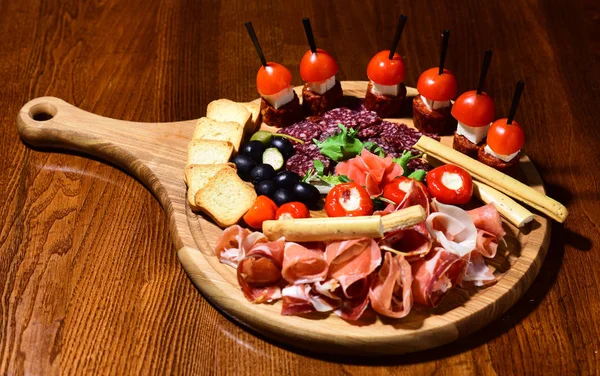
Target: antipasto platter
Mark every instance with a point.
(334, 216)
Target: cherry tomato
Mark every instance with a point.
(262, 210)
(505, 138)
(272, 79)
(437, 87)
(474, 110)
(384, 71)
(397, 189)
(348, 200)
(292, 210)
(450, 184)
(318, 66)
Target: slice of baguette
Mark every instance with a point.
(210, 129)
(197, 175)
(225, 198)
(209, 151)
(226, 110)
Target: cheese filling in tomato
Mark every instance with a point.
(473, 134)
(434, 105)
(386, 89)
(281, 98)
(323, 86)
(452, 181)
(351, 201)
(405, 185)
(502, 157)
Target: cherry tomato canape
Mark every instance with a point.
(262, 210)
(450, 184)
(437, 87)
(398, 188)
(292, 210)
(272, 79)
(317, 66)
(348, 200)
(504, 138)
(474, 110)
(385, 71)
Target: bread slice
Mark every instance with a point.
(209, 151)
(210, 129)
(197, 175)
(225, 198)
(254, 109)
(226, 110)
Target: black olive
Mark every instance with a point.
(284, 146)
(244, 165)
(262, 172)
(265, 188)
(307, 193)
(282, 196)
(286, 179)
(254, 150)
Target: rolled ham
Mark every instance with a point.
(452, 228)
(235, 242)
(370, 170)
(435, 275)
(390, 293)
(488, 222)
(477, 272)
(259, 272)
(310, 297)
(303, 265)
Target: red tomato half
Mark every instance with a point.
(384, 71)
(272, 79)
(474, 110)
(505, 138)
(318, 66)
(437, 87)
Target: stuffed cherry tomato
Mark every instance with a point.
(397, 189)
(431, 108)
(348, 200)
(292, 210)
(322, 92)
(450, 184)
(474, 113)
(262, 210)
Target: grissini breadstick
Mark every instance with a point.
(494, 178)
(341, 228)
(507, 207)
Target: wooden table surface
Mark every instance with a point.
(89, 281)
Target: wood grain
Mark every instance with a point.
(89, 279)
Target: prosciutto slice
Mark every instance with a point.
(259, 272)
(488, 222)
(452, 228)
(355, 300)
(352, 260)
(435, 275)
(370, 170)
(477, 273)
(313, 297)
(390, 292)
(235, 242)
(303, 265)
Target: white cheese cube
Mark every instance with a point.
(386, 89)
(323, 86)
(502, 157)
(431, 104)
(473, 134)
(280, 99)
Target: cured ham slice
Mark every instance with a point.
(488, 218)
(235, 242)
(486, 244)
(303, 265)
(259, 272)
(307, 298)
(452, 228)
(435, 275)
(355, 301)
(370, 170)
(390, 292)
(477, 273)
(352, 260)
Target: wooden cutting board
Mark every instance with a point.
(156, 154)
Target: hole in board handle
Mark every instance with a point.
(42, 112)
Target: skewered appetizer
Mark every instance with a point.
(279, 105)
(431, 108)
(386, 91)
(321, 92)
(474, 111)
(505, 140)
